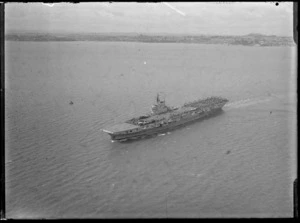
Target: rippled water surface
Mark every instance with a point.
(59, 164)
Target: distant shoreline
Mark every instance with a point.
(248, 40)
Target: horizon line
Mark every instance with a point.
(138, 33)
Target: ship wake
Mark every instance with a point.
(245, 103)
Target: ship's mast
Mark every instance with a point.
(160, 106)
(157, 98)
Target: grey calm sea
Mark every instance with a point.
(59, 164)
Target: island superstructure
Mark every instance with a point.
(164, 118)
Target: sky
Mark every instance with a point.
(207, 18)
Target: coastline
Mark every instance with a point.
(247, 40)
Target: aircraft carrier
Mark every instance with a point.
(164, 118)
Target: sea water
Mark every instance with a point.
(59, 164)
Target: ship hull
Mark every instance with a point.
(165, 128)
